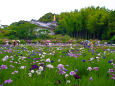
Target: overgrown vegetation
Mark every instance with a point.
(48, 17)
(57, 66)
(21, 30)
(88, 23)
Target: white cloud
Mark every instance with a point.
(15, 10)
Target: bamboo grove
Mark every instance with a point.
(88, 23)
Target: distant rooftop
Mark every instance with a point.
(52, 24)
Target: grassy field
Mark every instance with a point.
(57, 66)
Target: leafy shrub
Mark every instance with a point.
(79, 41)
(2, 41)
(12, 37)
(34, 41)
(61, 38)
(103, 41)
(44, 36)
(39, 40)
(10, 41)
(112, 39)
(23, 42)
(54, 41)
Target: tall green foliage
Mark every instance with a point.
(48, 17)
(88, 23)
(22, 30)
(111, 25)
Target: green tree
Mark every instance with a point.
(48, 17)
(23, 30)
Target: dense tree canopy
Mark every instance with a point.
(22, 30)
(48, 17)
(88, 23)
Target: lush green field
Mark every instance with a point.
(57, 66)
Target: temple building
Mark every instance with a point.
(54, 18)
(51, 26)
(54, 22)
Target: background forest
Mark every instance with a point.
(87, 23)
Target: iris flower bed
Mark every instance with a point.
(31, 65)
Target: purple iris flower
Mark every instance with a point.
(83, 60)
(58, 81)
(67, 54)
(52, 61)
(3, 66)
(111, 70)
(91, 78)
(113, 74)
(34, 67)
(72, 73)
(77, 50)
(63, 52)
(28, 57)
(37, 58)
(113, 78)
(21, 55)
(76, 70)
(109, 61)
(65, 70)
(72, 50)
(34, 58)
(60, 66)
(104, 57)
(41, 64)
(96, 68)
(67, 65)
(76, 76)
(8, 81)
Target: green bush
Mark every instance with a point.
(34, 41)
(39, 40)
(12, 37)
(54, 41)
(112, 39)
(10, 41)
(61, 38)
(44, 36)
(79, 41)
(2, 41)
(65, 38)
(23, 42)
(103, 41)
